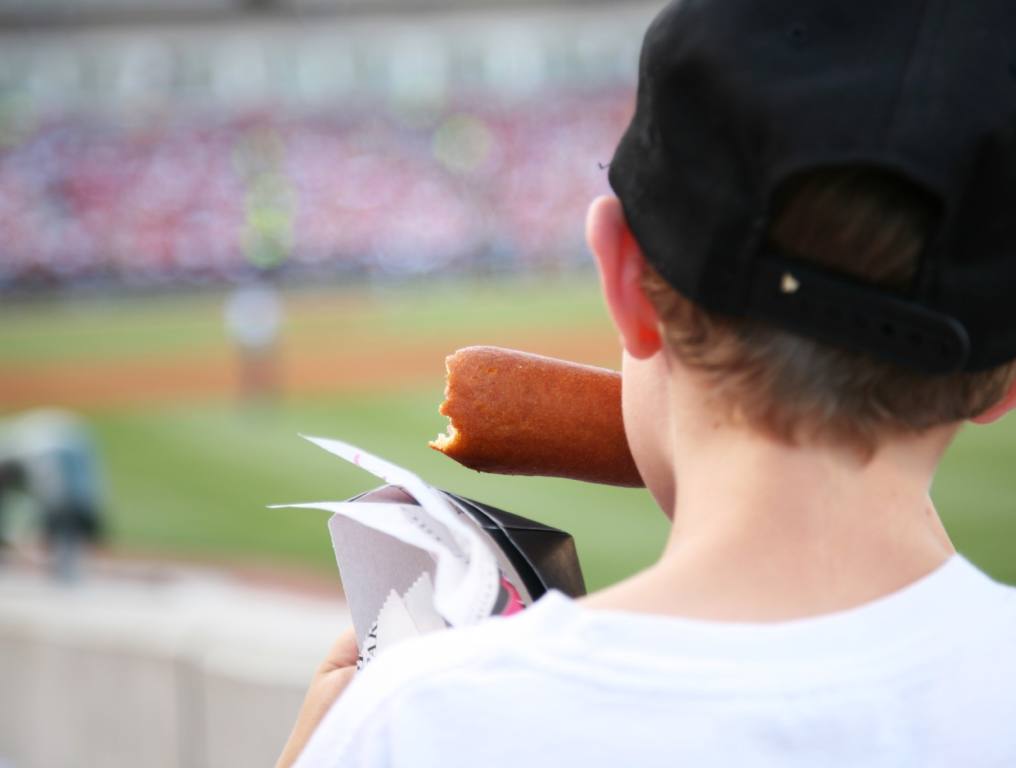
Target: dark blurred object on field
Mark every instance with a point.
(50, 487)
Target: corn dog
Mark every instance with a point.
(515, 413)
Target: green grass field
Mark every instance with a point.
(194, 478)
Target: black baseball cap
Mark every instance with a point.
(736, 97)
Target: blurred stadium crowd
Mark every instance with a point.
(475, 186)
(201, 143)
(192, 149)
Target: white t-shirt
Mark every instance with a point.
(923, 677)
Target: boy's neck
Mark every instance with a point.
(767, 532)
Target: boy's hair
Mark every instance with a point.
(870, 225)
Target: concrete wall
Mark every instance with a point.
(193, 672)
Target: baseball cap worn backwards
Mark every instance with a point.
(735, 97)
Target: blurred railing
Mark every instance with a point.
(188, 670)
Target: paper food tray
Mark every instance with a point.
(414, 559)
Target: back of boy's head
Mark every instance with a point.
(823, 192)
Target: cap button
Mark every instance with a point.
(797, 34)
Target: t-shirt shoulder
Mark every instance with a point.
(492, 641)
(956, 605)
(419, 662)
(936, 631)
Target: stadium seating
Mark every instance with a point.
(478, 186)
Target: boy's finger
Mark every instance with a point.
(343, 652)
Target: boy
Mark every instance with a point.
(809, 265)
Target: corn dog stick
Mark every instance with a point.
(515, 413)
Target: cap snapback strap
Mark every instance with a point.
(845, 312)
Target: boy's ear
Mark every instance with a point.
(999, 409)
(621, 265)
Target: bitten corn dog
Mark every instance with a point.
(515, 413)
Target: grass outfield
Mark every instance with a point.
(194, 477)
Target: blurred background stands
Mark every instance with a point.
(147, 144)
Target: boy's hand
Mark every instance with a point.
(329, 681)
